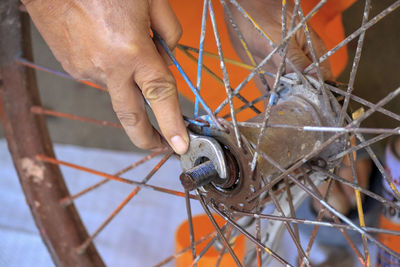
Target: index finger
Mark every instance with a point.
(159, 87)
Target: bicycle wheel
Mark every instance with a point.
(246, 171)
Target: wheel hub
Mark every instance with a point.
(222, 171)
(232, 191)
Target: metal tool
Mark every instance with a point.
(202, 149)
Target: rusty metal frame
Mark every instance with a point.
(27, 135)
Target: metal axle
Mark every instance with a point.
(198, 176)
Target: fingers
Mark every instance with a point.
(158, 86)
(298, 57)
(304, 60)
(128, 104)
(336, 198)
(164, 21)
(363, 168)
(342, 197)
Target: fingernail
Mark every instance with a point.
(179, 145)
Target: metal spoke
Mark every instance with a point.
(285, 80)
(316, 196)
(311, 48)
(372, 155)
(269, 39)
(181, 252)
(357, 187)
(273, 97)
(314, 58)
(205, 249)
(364, 144)
(316, 222)
(381, 169)
(225, 76)
(220, 234)
(336, 220)
(288, 228)
(323, 128)
(319, 218)
(222, 252)
(269, 56)
(69, 199)
(208, 246)
(258, 236)
(364, 102)
(220, 81)
(43, 111)
(250, 237)
(32, 65)
(47, 159)
(243, 43)
(82, 248)
(356, 61)
(359, 209)
(296, 165)
(284, 24)
(188, 82)
(348, 39)
(293, 212)
(201, 50)
(190, 223)
(248, 105)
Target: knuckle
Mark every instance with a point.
(71, 70)
(173, 35)
(130, 48)
(81, 71)
(128, 119)
(177, 33)
(148, 142)
(145, 144)
(158, 90)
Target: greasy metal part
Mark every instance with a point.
(232, 195)
(27, 136)
(297, 106)
(198, 176)
(202, 148)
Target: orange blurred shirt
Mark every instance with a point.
(327, 23)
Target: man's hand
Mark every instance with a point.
(109, 42)
(267, 14)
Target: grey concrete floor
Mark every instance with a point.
(377, 75)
